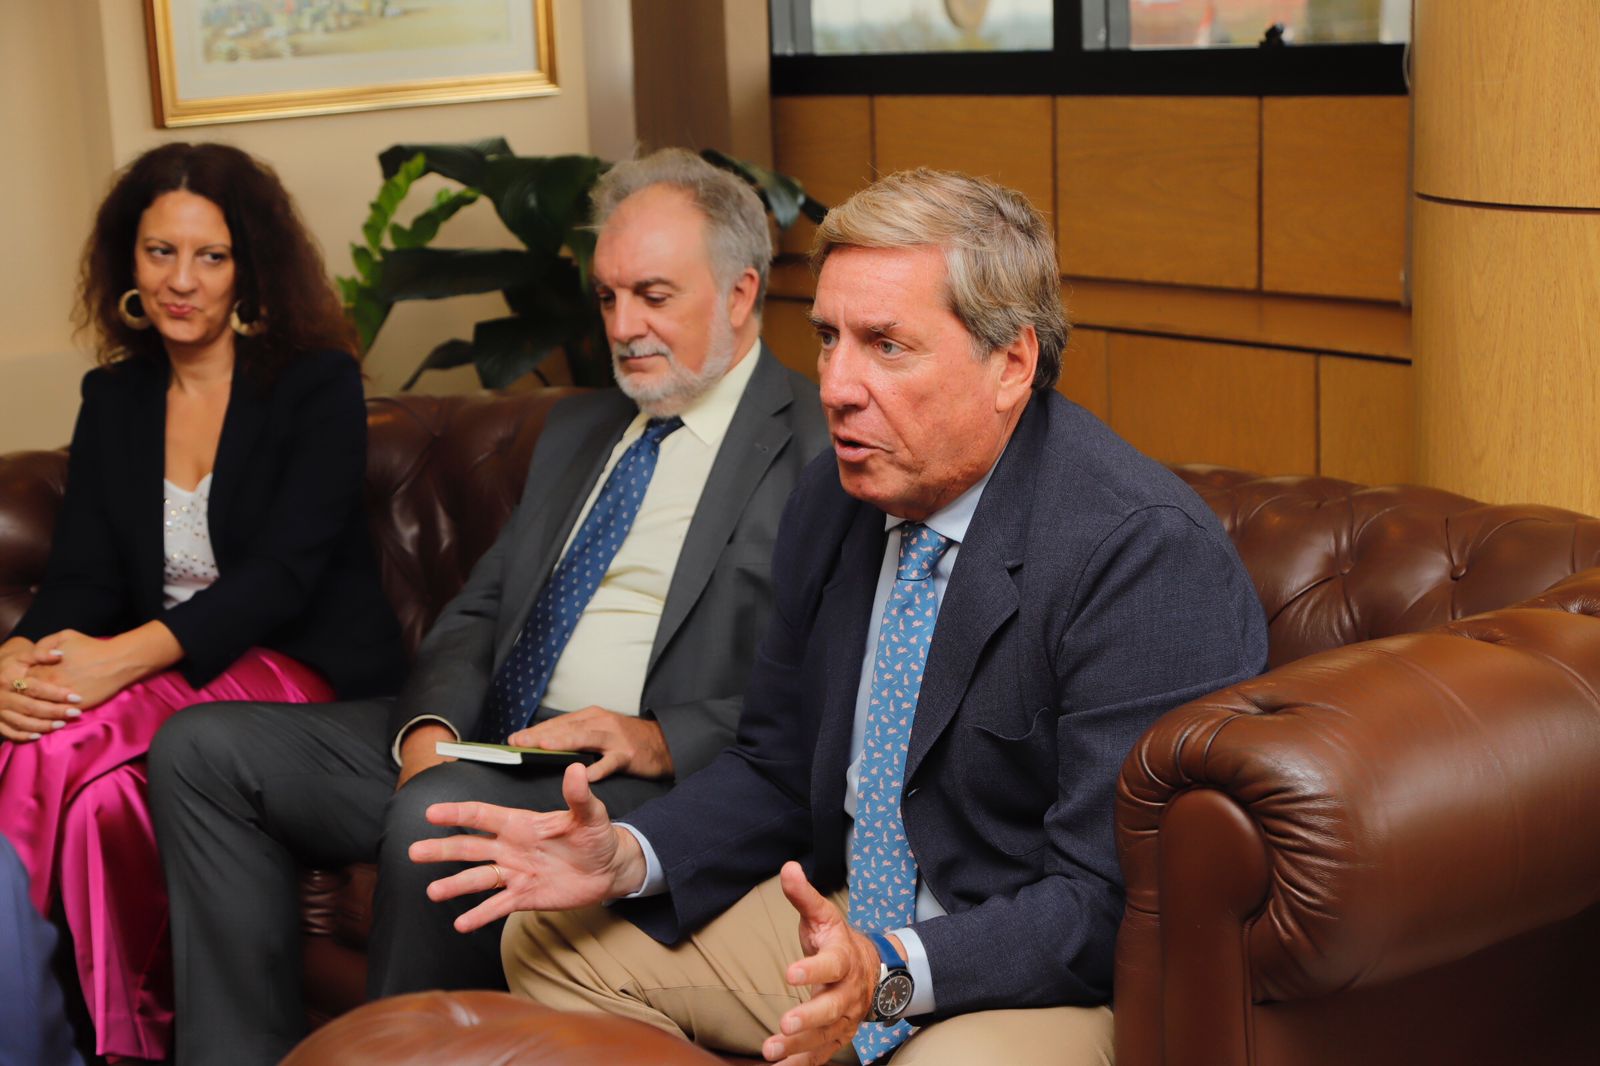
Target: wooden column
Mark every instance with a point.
(700, 76)
(1506, 252)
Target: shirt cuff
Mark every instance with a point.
(922, 1001)
(655, 879)
(398, 737)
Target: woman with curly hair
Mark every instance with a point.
(211, 546)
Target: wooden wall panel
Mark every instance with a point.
(1333, 195)
(1195, 402)
(1083, 372)
(826, 142)
(788, 332)
(1007, 138)
(1159, 188)
(1508, 346)
(1367, 422)
(1506, 96)
(1241, 317)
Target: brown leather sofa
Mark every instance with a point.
(1384, 850)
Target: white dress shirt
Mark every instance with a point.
(605, 660)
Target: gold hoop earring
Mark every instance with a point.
(243, 328)
(134, 320)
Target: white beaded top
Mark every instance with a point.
(190, 564)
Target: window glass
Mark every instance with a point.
(1244, 23)
(860, 27)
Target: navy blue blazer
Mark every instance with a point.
(1094, 592)
(296, 568)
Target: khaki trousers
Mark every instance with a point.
(723, 987)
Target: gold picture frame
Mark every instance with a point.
(243, 60)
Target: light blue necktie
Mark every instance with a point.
(520, 683)
(883, 874)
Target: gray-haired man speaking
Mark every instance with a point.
(618, 613)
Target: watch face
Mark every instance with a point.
(894, 995)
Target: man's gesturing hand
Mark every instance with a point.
(549, 861)
(841, 965)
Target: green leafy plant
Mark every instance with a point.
(544, 202)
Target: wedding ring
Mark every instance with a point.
(20, 684)
(499, 876)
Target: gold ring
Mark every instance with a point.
(20, 684)
(499, 876)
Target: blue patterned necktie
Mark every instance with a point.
(520, 683)
(883, 874)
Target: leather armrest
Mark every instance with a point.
(489, 1028)
(1389, 806)
(32, 485)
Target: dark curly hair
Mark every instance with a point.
(279, 275)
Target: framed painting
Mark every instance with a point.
(240, 60)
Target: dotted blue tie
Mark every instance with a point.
(520, 683)
(883, 874)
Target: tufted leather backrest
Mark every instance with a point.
(443, 474)
(1334, 562)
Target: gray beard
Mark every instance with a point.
(672, 394)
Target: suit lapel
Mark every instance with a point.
(241, 428)
(982, 593)
(540, 547)
(753, 441)
(147, 457)
(979, 599)
(843, 619)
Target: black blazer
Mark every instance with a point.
(297, 571)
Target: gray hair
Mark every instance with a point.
(999, 253)
(737, 237)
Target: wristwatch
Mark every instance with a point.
(893, 994)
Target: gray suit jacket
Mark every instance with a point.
(721, 592)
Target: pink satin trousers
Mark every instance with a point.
(73, 804)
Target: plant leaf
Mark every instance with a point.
(372, 228)
(504, 349)
(554, 294)
(813, 209)
(542, 199)
(782, 194)
(581, 243)
(454, 352)
(589, 358)
(402, 237)
(368, 311)
(435, 273)
(462, 162)
(426, 225)
(391, 192)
